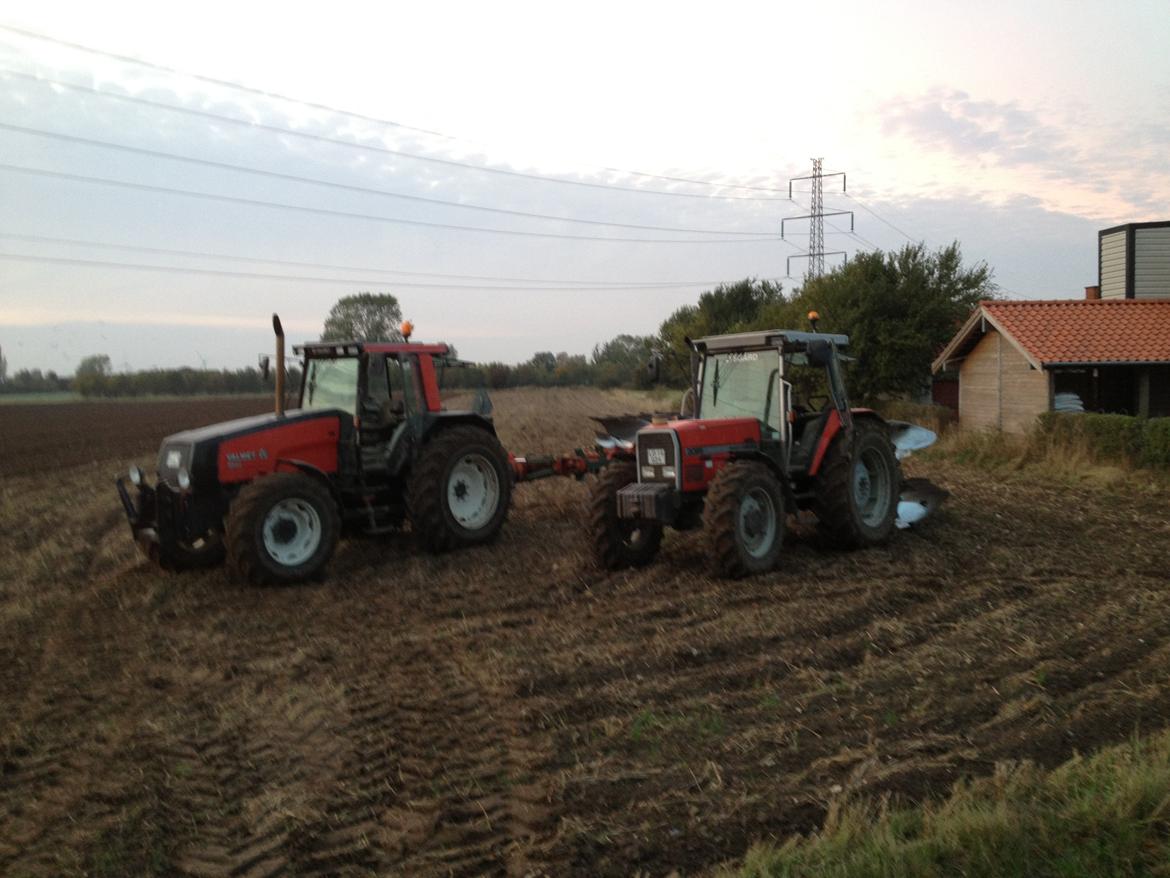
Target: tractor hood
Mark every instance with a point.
(242, 446)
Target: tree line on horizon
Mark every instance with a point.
(898, 308)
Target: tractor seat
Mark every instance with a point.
(806, 430)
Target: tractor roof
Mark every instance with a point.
(336, 349)
(768, 338)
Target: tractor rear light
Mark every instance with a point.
(136, 476)
(184, 478)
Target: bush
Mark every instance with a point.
(1106, 438)
(1156, 443)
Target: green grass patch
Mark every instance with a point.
(1105, 815)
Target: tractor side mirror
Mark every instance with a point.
(264, 366)
(654, 369)
(819, 353)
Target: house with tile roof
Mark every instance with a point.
(1017, 359)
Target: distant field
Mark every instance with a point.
(38, 398)
(36, 437)
(512, 710)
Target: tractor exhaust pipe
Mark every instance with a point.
(279, 330)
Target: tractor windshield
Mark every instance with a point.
(742, 384)
(331, 384)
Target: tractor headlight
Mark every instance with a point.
(668, 472)
(136, 476)
(647, 472)
(184, 478)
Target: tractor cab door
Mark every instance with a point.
(813, 373)
(387, 394)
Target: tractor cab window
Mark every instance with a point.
(810, 384)
(403, 371)
(331, 384)
(743, 384)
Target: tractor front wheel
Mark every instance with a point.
(281, 529)
(207, 551)
(857, 488)
(744, 519)
(459, 489)
(619, 542)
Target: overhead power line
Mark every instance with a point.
(173, 269)
(296, 178)
(130, 59)
(324, 211)
(880, 218)
(224, 83)
(382, 150)
(203, 254)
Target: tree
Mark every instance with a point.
(364, 317)
(897, 308)
(622, 361)
(93, 374)
(727, 308)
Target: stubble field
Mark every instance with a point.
(511, 710)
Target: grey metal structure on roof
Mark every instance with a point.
(768, 338)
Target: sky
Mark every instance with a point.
(540, 176)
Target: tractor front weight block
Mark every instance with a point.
(652, 501)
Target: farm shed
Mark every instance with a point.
(1016, 360)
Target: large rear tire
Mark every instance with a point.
(744, 519)
(281, 529)
(619, 542)
(857, 488)
(459, 490)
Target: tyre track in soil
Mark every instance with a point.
(889, 685)
(392, 755)
(509, 710)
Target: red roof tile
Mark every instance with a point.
(1087, 331)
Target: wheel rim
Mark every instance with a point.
(292, 532)
(757, 522)
(473, 491)
(871, 487)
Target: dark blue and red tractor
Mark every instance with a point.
(369, 446)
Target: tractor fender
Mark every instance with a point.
(776, 469)
(287, 464)
(833, 426)
(442, 420)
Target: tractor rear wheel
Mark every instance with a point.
(856, 493)
(744, 519)
(281, 529)
(619, 542)
(459, 489)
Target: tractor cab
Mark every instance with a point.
(771, 434)
(787, 381)
(388, 390)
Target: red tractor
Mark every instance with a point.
(369, 447)
(772, 432)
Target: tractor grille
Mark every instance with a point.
(171, 458)
(658, 457)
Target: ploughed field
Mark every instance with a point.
(511, 710)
